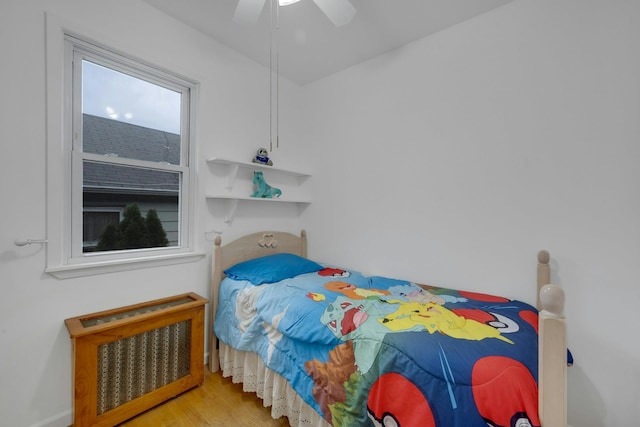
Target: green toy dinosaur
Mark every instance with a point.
(262, 189)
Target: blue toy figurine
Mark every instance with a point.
(262, 157)
(262, 189)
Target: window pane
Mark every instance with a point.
(136, 192)
(129, 117)
(93, 224)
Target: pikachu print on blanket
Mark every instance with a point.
(262, 189)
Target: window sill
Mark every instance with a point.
(103, 267)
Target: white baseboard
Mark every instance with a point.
(63, 419)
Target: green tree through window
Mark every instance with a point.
(134, 231)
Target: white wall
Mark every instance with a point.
(450, 161)
(233, 120)
(456, 158)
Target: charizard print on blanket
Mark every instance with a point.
(374, 351)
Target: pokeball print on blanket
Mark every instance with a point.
(493, 378)
(394, 401)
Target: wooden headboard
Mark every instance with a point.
(242, 249)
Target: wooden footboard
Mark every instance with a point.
(552, 349)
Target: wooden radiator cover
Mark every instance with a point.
(129, 359)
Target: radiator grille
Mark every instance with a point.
(133, 366)
(129, 359)
(93, 321)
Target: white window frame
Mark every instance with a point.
(65, 259)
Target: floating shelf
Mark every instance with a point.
(257, 199)
(234, 165)
(231, 203)
(232, 200)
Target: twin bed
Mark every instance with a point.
(323, 345)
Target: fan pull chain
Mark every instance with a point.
(277, 74)
(271, 75)
(274, 53)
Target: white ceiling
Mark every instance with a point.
(310, 46)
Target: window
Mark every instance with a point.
(94, 223)
(127, 152)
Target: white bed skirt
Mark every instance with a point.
(273, 389)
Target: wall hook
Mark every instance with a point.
(29, 242)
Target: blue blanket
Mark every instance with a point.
(372, 350)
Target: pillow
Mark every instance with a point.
(272, 268)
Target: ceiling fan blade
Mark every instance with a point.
(340, 12)
(248, 11)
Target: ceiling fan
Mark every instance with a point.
(340, 12)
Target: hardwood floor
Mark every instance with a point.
(218, 402)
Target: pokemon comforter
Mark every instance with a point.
(373, 351)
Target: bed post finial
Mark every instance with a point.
(544, 274)
(552, 300)
(543, 257)
(217, 241)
